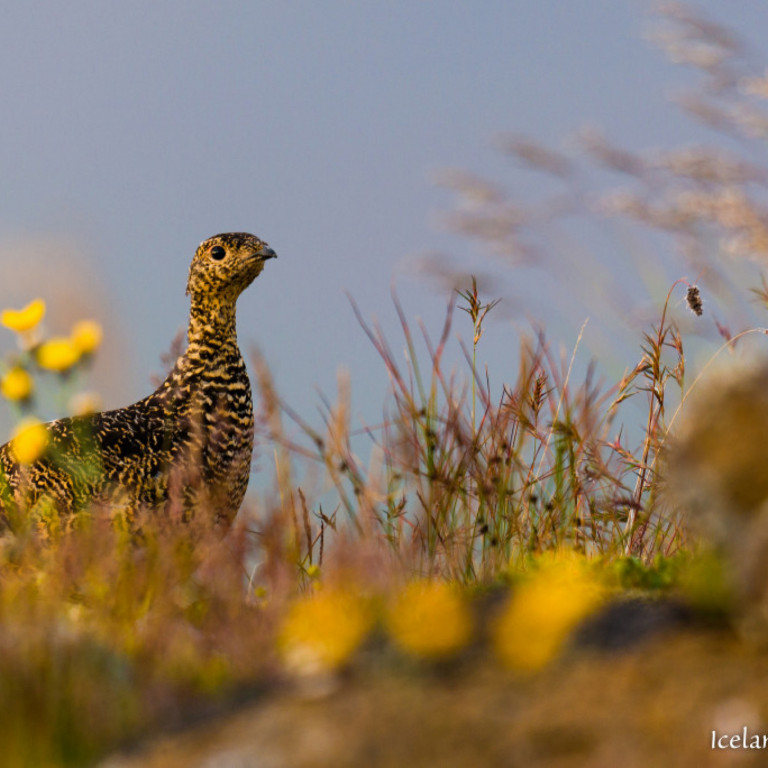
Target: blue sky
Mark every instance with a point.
(133, 131)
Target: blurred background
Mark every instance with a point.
(349, 136)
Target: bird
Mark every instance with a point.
(190, 442)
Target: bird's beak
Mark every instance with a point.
(266, 253)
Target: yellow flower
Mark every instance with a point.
(84, 403)
(57, 354)
(22, 320)
(313, 571)
(86, 336)
(29, 440)
(323, 630)
(430, 618)
(17, 384)
(542, 611)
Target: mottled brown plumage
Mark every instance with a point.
(191, 440)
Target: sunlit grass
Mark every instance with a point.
(143, 623)
(114, 629)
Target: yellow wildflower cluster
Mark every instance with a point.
(29, 440)
(562, 591)
(59, 353)
(26, 319)
(84, 403)
(323, 630)
(427, 619)
(430, 619)
(86, 336)
(16, 384)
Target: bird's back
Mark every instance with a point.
(193, 437)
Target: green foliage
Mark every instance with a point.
(660, 575)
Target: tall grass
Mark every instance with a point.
(467, 485)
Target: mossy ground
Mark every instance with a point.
(652, 704)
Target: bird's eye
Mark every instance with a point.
(218, 253)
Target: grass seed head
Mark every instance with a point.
(693, 300)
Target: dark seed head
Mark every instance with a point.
(693, 300)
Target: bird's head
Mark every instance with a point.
(225, 265)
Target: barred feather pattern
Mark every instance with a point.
(190, 441)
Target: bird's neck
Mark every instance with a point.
(211, 323)
(212, 341)
(211, 353)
